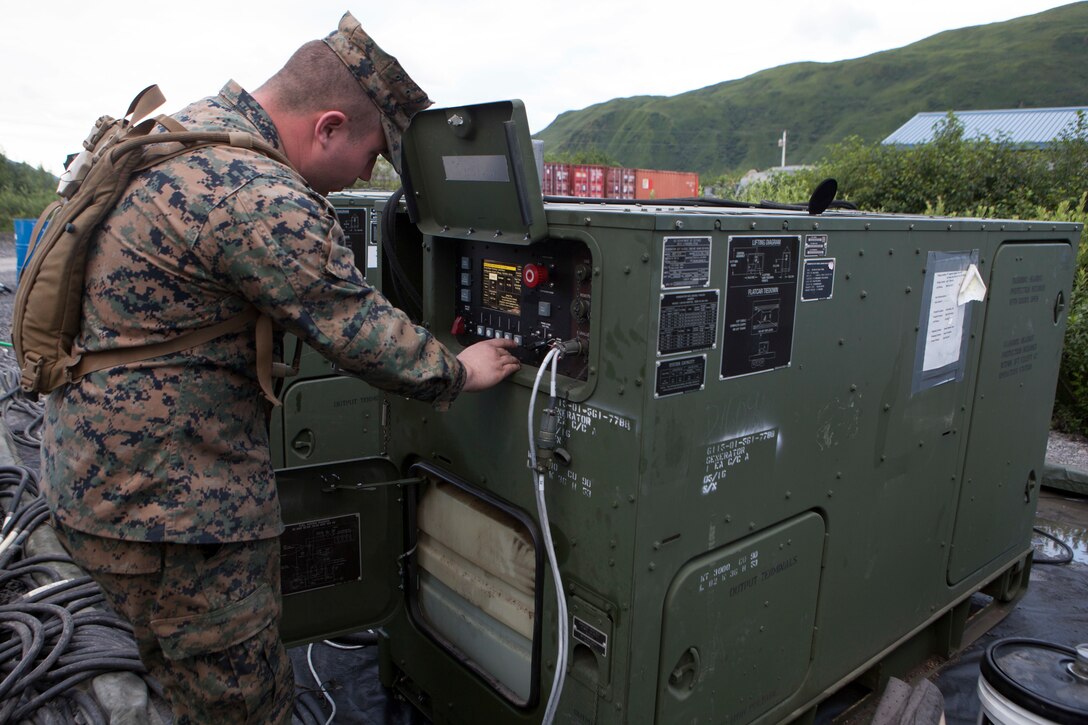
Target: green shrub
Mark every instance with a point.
(24, 192)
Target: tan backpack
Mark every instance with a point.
(48, 302)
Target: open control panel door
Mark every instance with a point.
(341, 550)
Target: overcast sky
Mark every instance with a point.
(65, 62)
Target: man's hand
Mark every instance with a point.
(487, 363)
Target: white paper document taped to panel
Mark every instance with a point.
(953, 281)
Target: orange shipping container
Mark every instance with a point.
(650, 184)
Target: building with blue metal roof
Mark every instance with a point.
(1025, 126)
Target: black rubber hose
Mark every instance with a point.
(310, 704)
(31, 648)
(1058, 561)
(50, 659)
(93, 712)
(60, 687)
(389, 232)
(57, 558)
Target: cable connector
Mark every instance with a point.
(571, 347)
(548, 436)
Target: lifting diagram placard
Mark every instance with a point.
(760, 303)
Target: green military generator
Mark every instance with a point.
(785, 449)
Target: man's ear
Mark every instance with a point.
(328, 124)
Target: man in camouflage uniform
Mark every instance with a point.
(158, 472)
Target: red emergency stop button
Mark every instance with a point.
(458, 327)
(534, 275)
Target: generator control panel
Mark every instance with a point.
(532, 295)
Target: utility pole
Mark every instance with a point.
(782, 145)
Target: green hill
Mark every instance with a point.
(1035, 61)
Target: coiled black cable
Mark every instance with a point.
(56, 635)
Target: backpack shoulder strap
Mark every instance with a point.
(83, 362)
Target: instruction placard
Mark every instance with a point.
(688, 321)
(320, 553)
(818, 281)
(682, 375)
(685, 262)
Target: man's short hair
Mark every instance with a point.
(315, 79)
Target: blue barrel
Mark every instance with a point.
(24, 229)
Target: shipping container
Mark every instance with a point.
(590, 181)
(619, 183)
(587, 181)
(650, 184)
(556, 179)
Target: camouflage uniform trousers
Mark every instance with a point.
(206, 619)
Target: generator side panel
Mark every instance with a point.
(860, 415)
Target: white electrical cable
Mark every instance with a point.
(554, 352)
(336, 645)
(562, 637)
(317, 680)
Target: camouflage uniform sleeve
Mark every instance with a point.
(281, 248)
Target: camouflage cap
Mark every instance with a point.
(383, 79)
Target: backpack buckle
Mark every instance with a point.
(30, 372)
